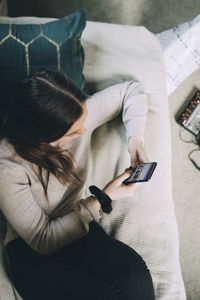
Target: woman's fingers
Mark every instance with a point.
(143, 156)
(127, 173)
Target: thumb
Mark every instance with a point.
(143, 157)
(124, 175)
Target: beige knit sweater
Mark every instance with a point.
(48, 226)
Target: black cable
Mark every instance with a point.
(183, 130)
(194, 163)
(195, 142)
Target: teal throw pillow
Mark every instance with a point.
(56, 45)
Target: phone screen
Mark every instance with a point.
(142, 172)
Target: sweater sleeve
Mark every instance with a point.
(128, 98)
(29, 220)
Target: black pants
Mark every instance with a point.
(95, 267)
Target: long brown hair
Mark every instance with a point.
(38, 111)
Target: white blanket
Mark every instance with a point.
(146, 221)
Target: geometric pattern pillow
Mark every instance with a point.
(25, 48)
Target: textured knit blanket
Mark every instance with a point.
(147, 220)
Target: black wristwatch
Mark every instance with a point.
(102, 197)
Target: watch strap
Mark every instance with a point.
(103, 198)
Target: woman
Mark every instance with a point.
(55, 246)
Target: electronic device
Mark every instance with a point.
(189, 114)
(141, 173)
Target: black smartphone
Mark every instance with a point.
(141, 173)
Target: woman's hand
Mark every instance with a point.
(137, 152)
(116, 189)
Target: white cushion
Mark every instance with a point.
(147, 221)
